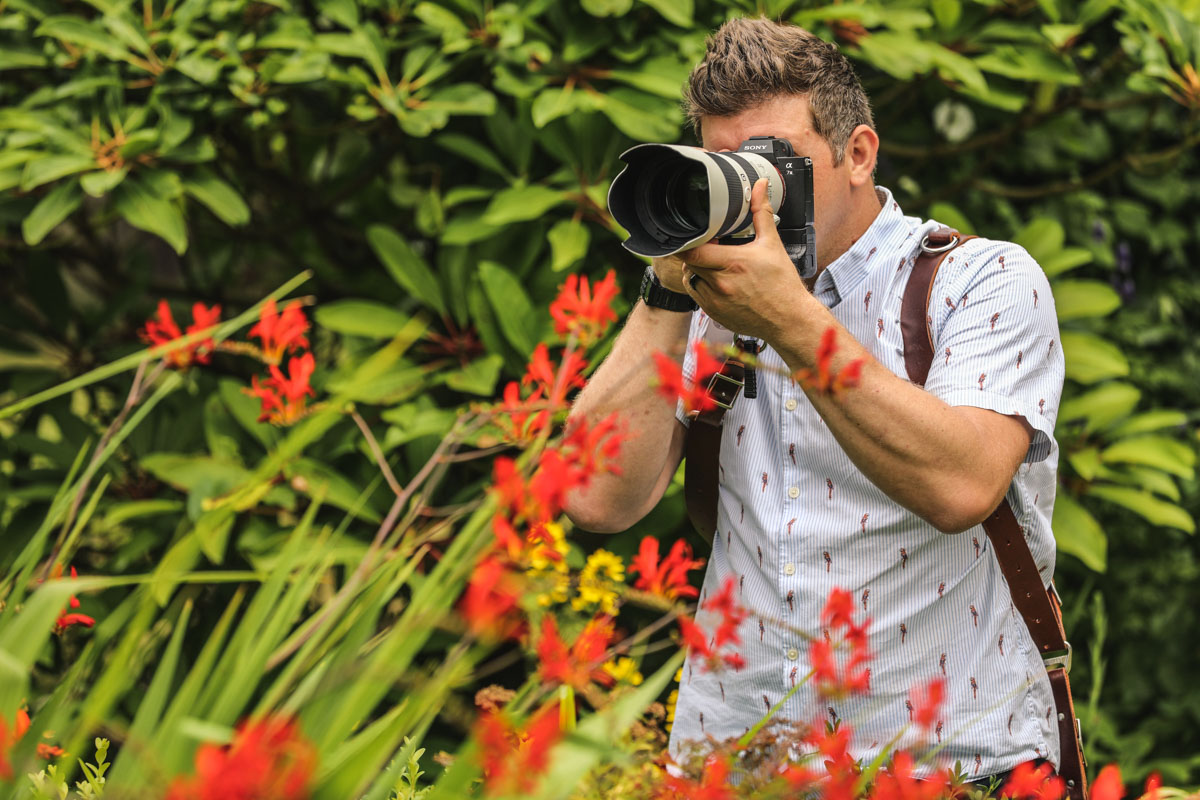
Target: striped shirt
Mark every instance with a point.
(796, 519)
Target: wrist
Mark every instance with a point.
(794, 325)
(655, 295)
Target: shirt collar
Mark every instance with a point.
(886, 233)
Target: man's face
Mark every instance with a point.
(788, 117)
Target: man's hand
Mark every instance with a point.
(670, 272)
(752, 289)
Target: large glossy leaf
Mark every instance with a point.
(1075, 299)
(361, 318)
(1091, 359)
(220, 198)
(406, 267)
(1077, 533)
(514, 313)
(57, 205)
(142, 208)
(1161, 452)
(1146, 505)
(1101, 406)
(521, 203)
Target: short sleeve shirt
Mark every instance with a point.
(796, 519)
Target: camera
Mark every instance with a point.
(674, 197)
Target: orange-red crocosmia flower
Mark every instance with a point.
(897, 782)
(8, 740)
(490, 599)
(522, 420)
(280, 333)
(162, 329)
(1036, 782)
(732, 614)
(554, 380)
(582, 662)
(1108, 785)
(67, 619)
(927, 704)
(713, 784)
(585, 311)
(833, 681)
(673, 386)
(512, 758)
(709, 648)
(1153, 784)
(823, 379)
(269, 759)
(283, 397)
(667, 578)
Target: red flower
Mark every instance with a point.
(511, 758)
(1108, 784)
(283, 397)
(269, 759)
(163, 330)
(491, 595)
(673, 386)
(668, 578)
(65, 619)
(898, 783)
(280, 333)
(839, 609)
(927, 705)
(594, 448)
(522, 420)
(732, 615)
(7, 741)
(829, 680)
(1153, 784)
(824, 379)
(578, 665)
(713, 784)
(554, 381)
(1026, 781)
(583, 311)
(48, 752)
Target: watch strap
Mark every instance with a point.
(655, 295)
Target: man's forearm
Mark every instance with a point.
(624, 383)
(950, 465)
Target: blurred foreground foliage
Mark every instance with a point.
(448, 162)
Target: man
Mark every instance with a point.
(881, 489)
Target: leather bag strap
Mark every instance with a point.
(702, 449)
(1038, 605)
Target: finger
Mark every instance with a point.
(764, 215)
(694, 285)
(707, 256)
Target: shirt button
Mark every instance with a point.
(793, 654)
(790, 405)
(794, 492)
(789, 568)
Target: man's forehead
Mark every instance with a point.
(785, 116)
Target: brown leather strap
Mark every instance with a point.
(1037, 604)
(702, 450)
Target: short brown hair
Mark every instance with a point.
(748, 61)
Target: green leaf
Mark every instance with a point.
(663, 76)
(320, 480)
(1150, 479)
(552, 103)
(1064, 260)
(20, 58)
(642, 117)
(1042, 237)
(946, 12)
(568, 243)
(1101, 406)
(479, 377)
(1091, 359)
(1077, 533)
(514, 312)
(606, 8)
(52, 209)
(361, 318)
(1160, 452)
(143, 209)
(677, 12)
(1086, 462)
(101, 182)
(1025, 63)
(1076, 299)
(406, 267)
(472, 150)
(220, 198)
(413, 421)
(50, 168)
(464, 98)
(950, 215)
(77, 31)
(1149, 421)
(521, 203)
(1147, 506)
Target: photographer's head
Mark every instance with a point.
(761, 78)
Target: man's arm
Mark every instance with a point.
(653, 443)
(950, 465)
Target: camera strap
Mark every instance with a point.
(1039, 607)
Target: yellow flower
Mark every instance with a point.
(596, 582)
(672, 698)
(548, 564)
(624, 669)
(559, 589)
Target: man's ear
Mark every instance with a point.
(861, 149)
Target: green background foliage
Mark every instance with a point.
(452, 158)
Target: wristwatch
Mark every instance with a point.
(655, 295)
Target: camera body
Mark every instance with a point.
(794, 210)
(673, 197)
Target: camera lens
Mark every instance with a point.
(686, 197)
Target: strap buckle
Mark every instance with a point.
(737, 387)
(1060, 661)
(949, 246)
